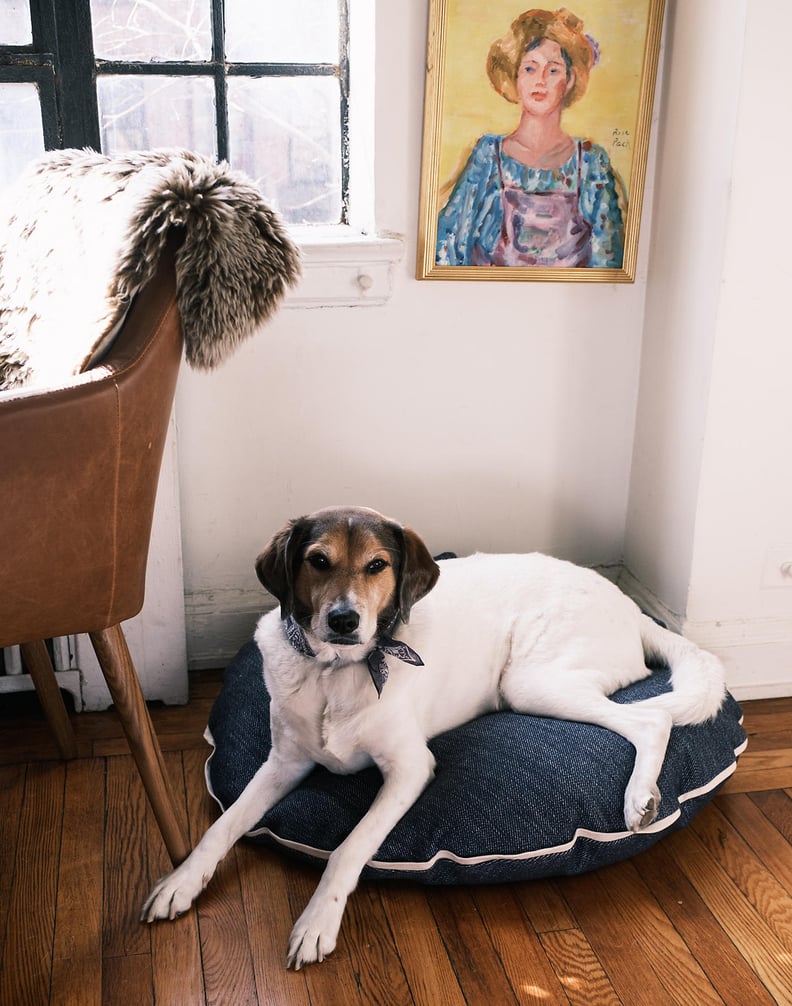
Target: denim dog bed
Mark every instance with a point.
(515, 797)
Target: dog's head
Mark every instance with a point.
(346, 573)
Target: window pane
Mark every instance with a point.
(141, 112)
(282, 31)
(21, 134)
(146, 31)
(15, 23)
(285, 132)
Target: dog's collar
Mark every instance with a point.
(377, 664)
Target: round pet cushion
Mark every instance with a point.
(514, 797)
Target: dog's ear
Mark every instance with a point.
(418, 572)
(276, 567)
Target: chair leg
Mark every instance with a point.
(37, 660)
(122, 680)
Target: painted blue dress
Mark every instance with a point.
(478, 217)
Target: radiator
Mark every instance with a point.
(62, 651)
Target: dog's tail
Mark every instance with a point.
(697, 677)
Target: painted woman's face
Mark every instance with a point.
(542, 81)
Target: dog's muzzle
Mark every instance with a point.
(343, 623)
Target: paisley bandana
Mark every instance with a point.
(377, 664)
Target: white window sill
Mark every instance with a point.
(343, 268)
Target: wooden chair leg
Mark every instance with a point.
(122, 680)
(37, 660)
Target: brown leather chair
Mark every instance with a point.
(79, 467)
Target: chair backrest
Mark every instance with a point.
(79, 467)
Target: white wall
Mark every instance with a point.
(738, 598)
(690, 215)
(710, 513)
(504, 416)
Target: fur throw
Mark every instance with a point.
(83, 232)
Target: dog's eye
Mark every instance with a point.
(319, 561)
(376, 566)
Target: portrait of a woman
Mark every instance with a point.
(536, 196)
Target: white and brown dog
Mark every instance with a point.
(522, 632)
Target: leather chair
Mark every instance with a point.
(79, 467)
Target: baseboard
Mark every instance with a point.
(220, 622)
(757, 652)
(647, 601)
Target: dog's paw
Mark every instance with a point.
(314, 934)
(173, 894)
(641, 808)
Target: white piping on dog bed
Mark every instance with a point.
(661, 824)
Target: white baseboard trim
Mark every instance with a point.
(757, 653)
(647, 601)
(220, 622)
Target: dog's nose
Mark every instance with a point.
(344, 621)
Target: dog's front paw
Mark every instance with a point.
(314, 935)
(640, 808)
(173, 895)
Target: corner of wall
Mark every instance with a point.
(698, 113)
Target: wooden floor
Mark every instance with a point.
(703, 917)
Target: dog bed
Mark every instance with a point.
(515, 797)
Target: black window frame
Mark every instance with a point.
(62, 63)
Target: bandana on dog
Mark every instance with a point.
(377, 664)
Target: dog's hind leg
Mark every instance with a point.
(572, 695)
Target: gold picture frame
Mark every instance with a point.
(495, 208)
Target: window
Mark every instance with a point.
(266, 84)
(261, 83)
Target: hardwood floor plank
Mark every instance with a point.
(730, 975)
(225, 948)
(749, 873)
(21, 744)
(12, 790)
(27, 963)
(128, 980)
(429, 973)
(766, 715)
(767, 843)
(478, 968)
(766, 753)
(522, 955)
(663, 949)
(578, 969)
(774, 735)
(177, 972)
(264, 881)
(126, 874)
(77, 952)
(544, 906)
(170, 740)
(777, 808)
(744, 926)
(372, 950)
(758, 779)
(614, 942)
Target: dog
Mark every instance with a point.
(528, 633)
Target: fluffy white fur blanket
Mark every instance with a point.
(82, 233)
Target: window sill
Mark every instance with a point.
(343, 268)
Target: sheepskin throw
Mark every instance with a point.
(82, 232)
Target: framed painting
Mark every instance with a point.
(536, 136)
